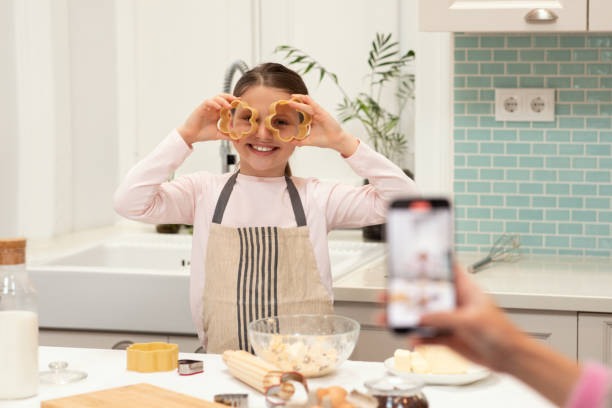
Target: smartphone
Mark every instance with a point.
(420, 280)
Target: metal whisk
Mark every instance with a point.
(505, 249)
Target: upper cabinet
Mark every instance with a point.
(600, 15)
(512, 15)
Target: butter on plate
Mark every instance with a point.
(430, 359)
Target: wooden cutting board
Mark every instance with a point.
(131, 396)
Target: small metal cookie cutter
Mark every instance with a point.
(190, 367)
(233, 400)
(277, 395)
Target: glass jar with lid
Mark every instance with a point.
(18, 324)
(397, 392)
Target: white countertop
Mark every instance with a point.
(582, 284)
(106, 369)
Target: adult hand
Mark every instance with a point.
(478, 329)
(201, 125)
(325, 131)
(481, 332)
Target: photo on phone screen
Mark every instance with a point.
(419, 239)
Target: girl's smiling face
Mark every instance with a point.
(261, 154)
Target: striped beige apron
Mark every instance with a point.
(257, 272)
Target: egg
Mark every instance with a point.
(337, 396)
(321, 392)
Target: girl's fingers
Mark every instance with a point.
(302, 106)
(300, 143)
(212, 104)
(227, 96)
(223, 102)
(307, 99)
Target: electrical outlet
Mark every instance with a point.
(525, 104)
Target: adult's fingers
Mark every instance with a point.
(442, 320)
(381, 319)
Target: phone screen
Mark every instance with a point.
(419, 237)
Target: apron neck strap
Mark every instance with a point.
(296, 203)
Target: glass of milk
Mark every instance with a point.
(18, 324)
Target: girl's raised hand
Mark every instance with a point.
(325, 131)
(201, 125)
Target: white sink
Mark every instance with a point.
(140, 282)
(171, 254)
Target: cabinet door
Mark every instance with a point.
(91, 339)
(500, 15)
(187, 344)
(600, 15)
(595, 337)
(377, 344)
(374, 343)
(555, 329)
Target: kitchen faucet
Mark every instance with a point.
(227, 158)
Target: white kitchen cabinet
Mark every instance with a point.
(502, 15)
(555, 329)
(375, 343)
(595, 337)
(600, 15)
(187, 344)
(94, 339)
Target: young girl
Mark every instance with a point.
(260, 235)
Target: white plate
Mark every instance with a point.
(474, 373)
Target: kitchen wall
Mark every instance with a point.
(8, 125)
(89, 87)
(180, 51)
(550, 182)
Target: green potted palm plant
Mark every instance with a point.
(389, 67)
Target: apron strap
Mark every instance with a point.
(296, 203)
(224, 198)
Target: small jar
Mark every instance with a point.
(397, 392)
(18, 324)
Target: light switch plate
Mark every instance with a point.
(525, 104)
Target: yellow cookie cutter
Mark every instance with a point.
(152, 357)
(224, 120)
(303, 128)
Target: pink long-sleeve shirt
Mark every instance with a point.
(592, 389)
(145, 195)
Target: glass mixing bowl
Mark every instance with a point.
(313, 345)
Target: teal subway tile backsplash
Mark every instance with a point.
(558, 55)
(571, 69)
(550, 182)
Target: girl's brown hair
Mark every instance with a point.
(272, 75)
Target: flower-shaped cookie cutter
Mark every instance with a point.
(303, 128)
(225, 117)
(278, 394)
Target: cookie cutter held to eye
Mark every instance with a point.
(303, 128)
(224, 121)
